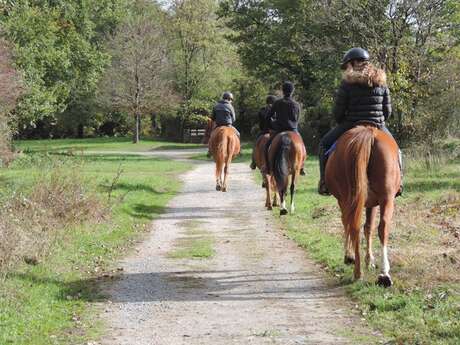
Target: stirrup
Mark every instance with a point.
(302, 172)
(400, 191)
(253, 166)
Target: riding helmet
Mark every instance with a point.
(227, 95)
(288, 88)
(354, 54)
(270, 99)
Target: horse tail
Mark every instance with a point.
(221, 151)
(358, 152)
(281, 162)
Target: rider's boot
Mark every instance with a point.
(253, 161)
(400, 190)
(322, 188)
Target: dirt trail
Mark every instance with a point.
(258, 287)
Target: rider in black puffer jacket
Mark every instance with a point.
(362, 96)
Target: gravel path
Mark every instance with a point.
(257, 288)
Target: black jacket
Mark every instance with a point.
(264, 120)
(284, 114)
(357, 101)
(223, 113)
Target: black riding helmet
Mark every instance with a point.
(270, 99)
(354, 54)
(227, 95)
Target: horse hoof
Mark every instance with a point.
(269, 207)
(217, 187)
(384, 280)
(224, 189)
(283, 212)
(348, 260)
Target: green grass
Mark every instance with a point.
(98, 144)
(193, 248)
(423, 307)
(48, 303)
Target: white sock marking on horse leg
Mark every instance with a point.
(292, 207)
(385, 261)
(283, 205)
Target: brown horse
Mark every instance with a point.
(224, 145)
(259, 158)
(363, 171)
(286, 156)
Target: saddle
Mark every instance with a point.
(358, 123)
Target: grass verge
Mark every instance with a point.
(47, 302)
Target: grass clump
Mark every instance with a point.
(30, 219)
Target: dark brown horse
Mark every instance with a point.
(259, 158)
(286, 157)
(363, 171)
(224, 145)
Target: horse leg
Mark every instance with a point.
(354, 237)
(218, 175)
(224, 186)
(268, 189)
(276, 201)
(386, 214)
(283, 210)
(349, 258)
(292, 190)
(371, 212)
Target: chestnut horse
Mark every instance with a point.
(363, 171)
(224, 145)
(286, 156)
(259, 158)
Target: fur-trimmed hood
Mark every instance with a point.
(367, 75)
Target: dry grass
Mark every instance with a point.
(30, 223)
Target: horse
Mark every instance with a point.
(259, 158)
(286, 156)
(224, 145)
(363, 172)
(210, 125)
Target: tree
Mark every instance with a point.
(305, 40)
(10, 90)
(57, 47)
(137, 81)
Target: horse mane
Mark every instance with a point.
(359, 142)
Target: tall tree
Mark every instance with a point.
(137, 81)
(10, 90)
(58, 49)
(204, 61)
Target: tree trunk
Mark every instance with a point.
(137, 128)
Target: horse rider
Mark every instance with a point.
(223, 113)
(264, 125)
(362, 96)
(283, 116)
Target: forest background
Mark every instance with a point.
(85, 68)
